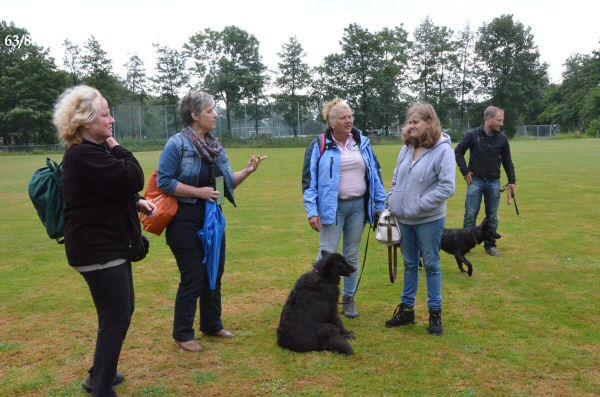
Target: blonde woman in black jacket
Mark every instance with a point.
(101, 181)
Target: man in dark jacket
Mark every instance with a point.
(488, 147)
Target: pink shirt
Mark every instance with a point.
(352, 169)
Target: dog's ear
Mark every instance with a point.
(323, 263)
(337, 265)
(340, 266)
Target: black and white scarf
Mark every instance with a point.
(209, 149)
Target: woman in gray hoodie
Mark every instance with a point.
(424, 179)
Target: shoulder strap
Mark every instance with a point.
(321, 144)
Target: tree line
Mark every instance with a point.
(380, 73)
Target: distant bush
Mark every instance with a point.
(593, 128)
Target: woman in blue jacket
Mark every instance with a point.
(424, 180)
(343, 190)
(187, 169)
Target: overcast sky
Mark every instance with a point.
(124, 27)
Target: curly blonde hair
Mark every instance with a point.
(331, 110)
(427, 113)
(74, 108)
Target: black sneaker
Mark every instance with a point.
(403, 315)
(88, 387)
(435, 322)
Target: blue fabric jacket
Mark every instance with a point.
(181, 162)
(321, 197)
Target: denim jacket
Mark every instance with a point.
(181, 162)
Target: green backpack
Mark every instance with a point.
(45, 192)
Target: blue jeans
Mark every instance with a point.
(418, 241)
(350, 220)
(490, 190)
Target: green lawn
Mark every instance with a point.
(526, 323)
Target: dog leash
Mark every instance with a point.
(363, 264)
(511, 197)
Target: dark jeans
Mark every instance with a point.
(112, 291)
(490, 190)
(194, 285)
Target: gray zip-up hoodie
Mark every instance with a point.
(419, 191)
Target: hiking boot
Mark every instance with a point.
(492, 251)
(403, 315)
(88, 387)
(350, 307)
(435, 322)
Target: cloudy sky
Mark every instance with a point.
(124, 27)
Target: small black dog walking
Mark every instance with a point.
(459, 242)
(310, 320)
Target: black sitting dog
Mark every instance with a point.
(459, 242)
(310, 320)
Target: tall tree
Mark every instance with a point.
(95, 63)
(171, 74)
(329, 81)
(29, 86)
(368, 73)
(435, 65)
(226, 64)
(253, 92)
(73, 62)
(574, 102)
(466, 75)
(135, 77)
(359, 52)
(512, 76)
(293, 78)
(390, 76)
(97, 72)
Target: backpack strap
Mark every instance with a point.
(321, 144)
(320, 141)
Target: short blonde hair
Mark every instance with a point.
(427, 113)
(491, 112)
(331, 110)
(74, 108)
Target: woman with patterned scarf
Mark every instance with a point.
(187, 169)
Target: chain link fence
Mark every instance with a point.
(538, 131)
(244, 121)
(149, 126)
(33, 149)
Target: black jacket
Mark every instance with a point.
(486, 154)
(100, 188)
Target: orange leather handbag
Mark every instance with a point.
(166, 208)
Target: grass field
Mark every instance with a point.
(526, 323)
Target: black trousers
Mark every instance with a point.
(194, 285)
(112, 291)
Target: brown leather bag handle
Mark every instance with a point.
(393, 262)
